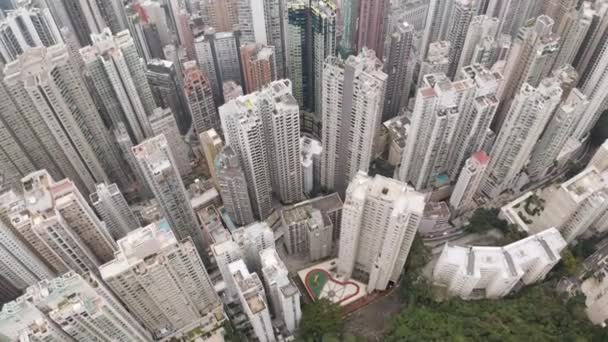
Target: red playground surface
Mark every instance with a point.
(321, 284)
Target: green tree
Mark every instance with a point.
(571, 265)
(320, 320)
(485, 219)
(534, 314)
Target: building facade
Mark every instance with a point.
(379, 221)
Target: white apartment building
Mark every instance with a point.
(263, 129)
(468, 181)
(23, 321)
(56, 221)
(583, 201)
(19, 265)
(118, 76)
(380, 218)
(17, 160)
(113, 210)
(480, 28)
(310, 154)
(26, 27)
(125, 144)
(310, 226)
(78, 306)
(253, 301)
(226, 252)
(600, 158)
(530, 60)
(158, 165)
(283, 295)
(492, 272)
(556, 134)
(451, 120)
(64, 119)
(512, 14)
(574, 27)
(161, 280)
(594, 85)
(353, 98)
(252, 239)
(530, 111)
(163, 122)
(232, 186)
(436, 61)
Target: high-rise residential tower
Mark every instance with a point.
(113, 209)
(556, 134)
(458, 27)
(211, 145)
(481, 27)
(594, 85)
(254, 303)
(232, 185)
(56, 220)
(530, 60)
(20, 265)
(283, 295)
(218, 56)
(259, 67)
(399, 67)
(118, 76)
(513, 14)
(71, 307)
(527, 117)
(162, 176)
(160, 279)
(220, 14)
(265, 23)
(573, 32)
(371, 26)
(163, 122)
(53, 101)
(450, 121)
(379, 222)
(468, 182)
(263, 129)
(350, 15)
(23, 28)
(166, 82)
(353, 96)
(199, 98)
(312, 38)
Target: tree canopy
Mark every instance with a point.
(485, 219)
(321, 321)
(535, 314)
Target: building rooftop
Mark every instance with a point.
(137, 246)
(249, 285)
(387, 189)
(512, 259)
(585, 183)
(397, 128)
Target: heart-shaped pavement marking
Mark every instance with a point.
(321, 284)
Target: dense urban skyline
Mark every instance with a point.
(193, 170)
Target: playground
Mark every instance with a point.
(321, 281)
